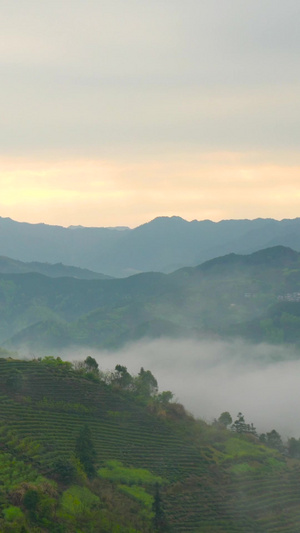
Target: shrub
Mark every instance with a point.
(77, 500)
(115, 471)
(13, 514)
(64, 470)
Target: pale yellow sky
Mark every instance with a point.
(212, 186)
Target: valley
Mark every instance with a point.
(254, 297)
(85, 446)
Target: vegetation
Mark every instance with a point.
(85, 451)
(256, 297)
(12, 266)
(131, 460)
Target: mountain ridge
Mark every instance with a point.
(216, 298)
(13, 266)
(164, 244)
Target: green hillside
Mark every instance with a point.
(149, 465)
(255, 296)
(13, 266)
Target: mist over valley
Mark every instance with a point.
(209, 377)
(222, 334)
(249, 296)
(149, 266)
(177, 387)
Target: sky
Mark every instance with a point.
(116, 112)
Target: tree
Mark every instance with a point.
(252, 429)
(263, 438)
(294, 448)
(91, 363)
(122, 377)
(274, 440)
(159, 519)
(225, 419)
(85, 451)
(146, 383)
(239, 425)
(165, 397)
(64, 470)
(30, 502)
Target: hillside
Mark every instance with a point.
(161, 245)
(152, 460)
(58, 270)
(254, 296)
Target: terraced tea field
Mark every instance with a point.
(204, 489)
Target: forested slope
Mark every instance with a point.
(255, 296)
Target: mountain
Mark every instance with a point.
(163, 245)
(255, 296)
(77, 246)
(58, 270)
(83, 450)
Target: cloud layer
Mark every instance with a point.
(98, 77)
(149, 89)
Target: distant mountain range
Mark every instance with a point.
(256, 297)
(162, 245)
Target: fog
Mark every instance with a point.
(210, 377)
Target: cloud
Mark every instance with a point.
(210, 377)
(98, 77)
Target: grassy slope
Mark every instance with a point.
(213, 480)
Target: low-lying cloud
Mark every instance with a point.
(209, 377)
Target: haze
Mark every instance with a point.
(210, 377)
(114, 113)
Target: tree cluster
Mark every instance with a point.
(272, 438)
(144, 385)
